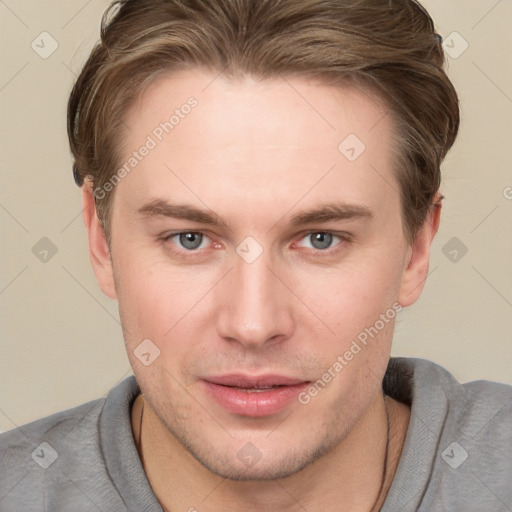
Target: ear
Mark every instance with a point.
(418, 255)
(99, 251)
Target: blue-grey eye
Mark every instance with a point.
(321, 240)
(190, 240)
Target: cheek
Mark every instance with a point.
(354, 295)
(161, 303)
(360, 307)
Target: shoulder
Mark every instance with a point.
(33, 456)
(470, 406)
(58, 461)
(54, 428)
(462, 434)
(423, 381)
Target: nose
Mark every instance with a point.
(254, 307)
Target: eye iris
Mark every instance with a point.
(191, 240)
(321, 240)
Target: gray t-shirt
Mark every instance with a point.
(457, 455)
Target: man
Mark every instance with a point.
(261, 190)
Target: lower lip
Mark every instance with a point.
(254, 404)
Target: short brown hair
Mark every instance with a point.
(387, 46)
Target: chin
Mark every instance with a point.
(250, 464)
(270, 470)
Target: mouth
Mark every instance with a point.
(255, 389)
(254, 396)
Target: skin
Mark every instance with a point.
(256, 154)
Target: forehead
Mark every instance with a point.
(245, 106)
(281, 139)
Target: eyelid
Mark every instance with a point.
(170, 234)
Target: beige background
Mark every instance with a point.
(61, 341)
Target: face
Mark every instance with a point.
(253, 251)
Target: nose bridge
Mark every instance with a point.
(254, 307)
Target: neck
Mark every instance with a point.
(358, 472)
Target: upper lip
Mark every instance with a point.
(254, 381)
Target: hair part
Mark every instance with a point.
(388, 47)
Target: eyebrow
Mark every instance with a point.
(161, 208)
(331, 212)
(323, 213)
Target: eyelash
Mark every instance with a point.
(344, 238)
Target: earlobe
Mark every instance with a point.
(418, 256)
(99, 251)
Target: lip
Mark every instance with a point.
(225, 390)
(248, 381)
